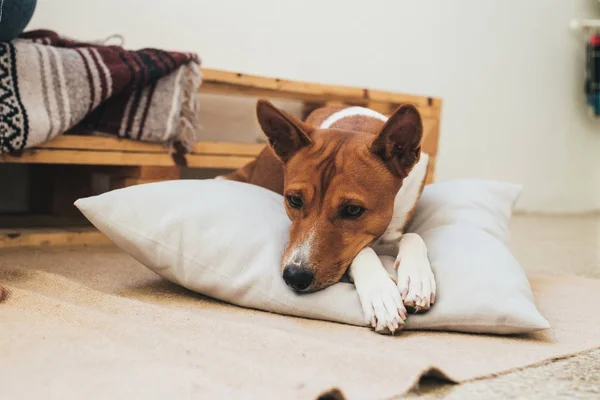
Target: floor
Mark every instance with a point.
(551, 244)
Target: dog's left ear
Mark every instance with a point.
(399, 141)
(285, 133)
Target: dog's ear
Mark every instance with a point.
(286, 134)
(398, 143)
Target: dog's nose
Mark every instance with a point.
(297, 277)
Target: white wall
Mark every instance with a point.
(510, 72)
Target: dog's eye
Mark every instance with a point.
(352, 211)
(294, 201)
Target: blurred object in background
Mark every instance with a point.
(592, 73)
(14, 17)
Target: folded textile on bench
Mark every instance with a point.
(51, 85)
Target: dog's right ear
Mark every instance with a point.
(286, 134)
(399, 142)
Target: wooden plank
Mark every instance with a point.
(81, 157)
(217, 81)
(383, 108)
(429, 144)
(430, 171)
(228, 148)
(52, 237)
(115, 144)
(424, 109)
(399, 98)
(240, 81)
(102, 143)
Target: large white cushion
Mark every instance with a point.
(225, 239)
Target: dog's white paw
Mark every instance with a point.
(382, 306)
(416, 282)
(379, 296)
(416, 285)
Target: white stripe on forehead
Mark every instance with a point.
(351, 112)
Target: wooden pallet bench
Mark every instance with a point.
(61, 169)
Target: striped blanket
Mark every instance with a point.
(51, 85)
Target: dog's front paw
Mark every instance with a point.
(416, 284)
(382, 306)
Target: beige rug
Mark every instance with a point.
(95, 324)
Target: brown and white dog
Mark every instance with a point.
(346, 176)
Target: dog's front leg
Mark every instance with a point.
(378, 293)
(416, 281)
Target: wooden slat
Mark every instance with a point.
(126, 145)
(236, 80)
(227, 89)
(383, 108)
(217, 81)
(430, 136)
(431, 139)
(228, 148)
(101, 143)
(399, 98)
(82, 157)
(52, 237)
(431, 171)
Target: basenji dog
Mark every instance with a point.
(345, 174)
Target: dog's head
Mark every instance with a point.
(339, 188)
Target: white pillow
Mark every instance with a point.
(225, 239)
(486, 205)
